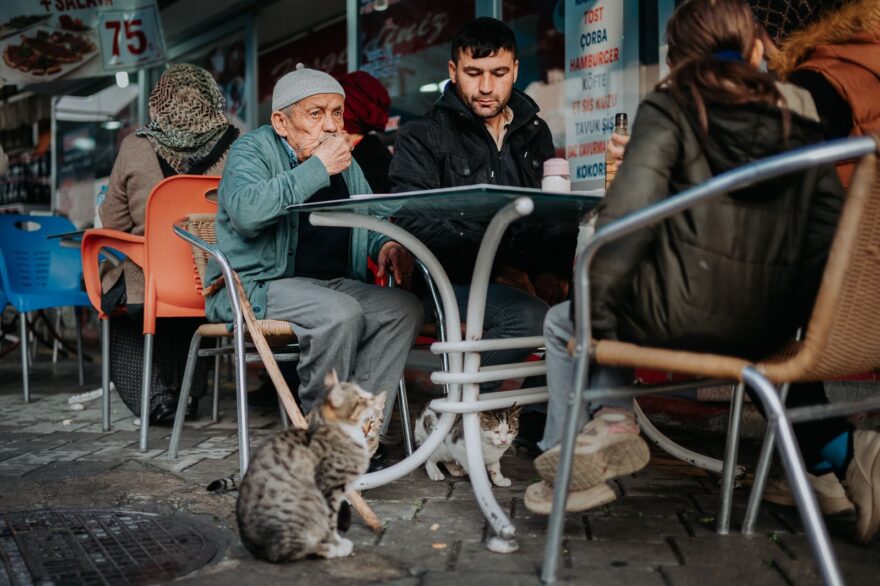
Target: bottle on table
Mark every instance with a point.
(557, 176)
(620, 127)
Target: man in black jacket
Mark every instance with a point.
(482, 130)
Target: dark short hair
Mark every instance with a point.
(483, 37)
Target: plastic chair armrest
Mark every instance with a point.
(93, 241)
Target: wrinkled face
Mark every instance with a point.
(500, 427)
(484, 85)
(309, 122)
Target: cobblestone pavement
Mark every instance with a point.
(660, 530)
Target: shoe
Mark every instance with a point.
(378, 460)
(163, 414)
(863, 483)
(539, 498)
(608, 447)
(192, 410)
(264, 397)
(830, 494)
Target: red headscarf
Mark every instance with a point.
(366, 103)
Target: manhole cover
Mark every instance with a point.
(102, 547)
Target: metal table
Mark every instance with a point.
(501, 205)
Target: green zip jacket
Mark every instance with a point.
(254, 229)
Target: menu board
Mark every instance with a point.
(594, 72)
(46, 40)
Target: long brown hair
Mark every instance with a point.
(710, 42)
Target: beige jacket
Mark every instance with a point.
(135, 173)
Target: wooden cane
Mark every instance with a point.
(296, 417)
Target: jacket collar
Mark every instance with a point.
(857, 21)
(524, 108)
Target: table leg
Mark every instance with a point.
(502, 540)
(453, 326)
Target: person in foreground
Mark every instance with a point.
(735, 276)
(313, 277)
(483, 130)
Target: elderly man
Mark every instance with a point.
(311, 276)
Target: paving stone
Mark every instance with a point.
(724, 571)
(61, 471)
(614, 576)
(614, 528)
(637, 507)
(463, 521)
(21, 465)
(485, 578)
(633, 553)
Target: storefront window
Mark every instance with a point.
(405, 44)
(539, 26)
(324, 49)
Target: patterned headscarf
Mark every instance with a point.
(783, 17)
(187, 117)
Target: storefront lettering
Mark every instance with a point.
(594, 16)
(428, 29)
(593, 37)
(591, 104)
(595, 126)
(594, 171)
(606, 57)
(593, 81)
(62, 5)
(586, 149)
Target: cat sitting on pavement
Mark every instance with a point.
(289, 500)
(497, 428)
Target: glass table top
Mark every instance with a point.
(472, 202)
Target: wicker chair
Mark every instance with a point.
(842, 337)
(277, 338)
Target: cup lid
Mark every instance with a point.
(556, 167)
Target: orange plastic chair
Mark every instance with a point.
(168, 270)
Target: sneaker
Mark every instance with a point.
(539, 498)
(863, 483)
(829, 493)
(608, 447)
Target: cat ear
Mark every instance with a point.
(515, 410)
(330, 379)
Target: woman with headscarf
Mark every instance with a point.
(188, 133)
(366, 113)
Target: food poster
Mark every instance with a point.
(47, 40)
(601, 50)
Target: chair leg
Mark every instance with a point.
(241, 399)
(797, 476)
(285, 421)
(55, 343)
(25, 366)
(105, 374)
(79, 346)
(146, 386)
(192, 359)
(215, 403)
(405, 421)
(728, 473)
(762, 471)
(563, 472)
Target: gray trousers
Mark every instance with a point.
(558, 330)
(362, 331)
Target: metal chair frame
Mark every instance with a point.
(779, 419)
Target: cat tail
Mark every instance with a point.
(227, 484)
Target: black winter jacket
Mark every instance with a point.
(451, 147)
(736, 275)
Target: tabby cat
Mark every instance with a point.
(497, 428)
(290, 498)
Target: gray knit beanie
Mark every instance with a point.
(303, 83)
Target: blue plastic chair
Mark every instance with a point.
(37, 272)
